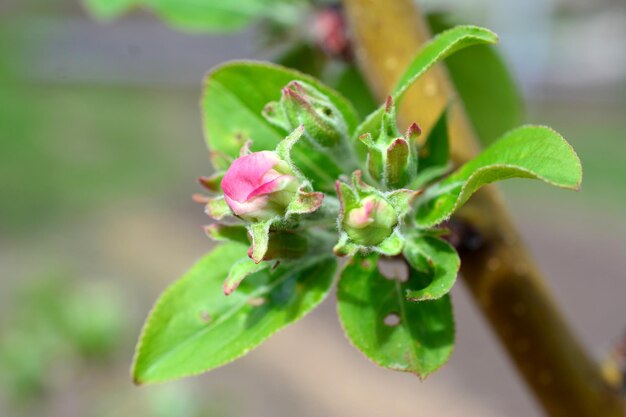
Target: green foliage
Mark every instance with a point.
(484, 84)
(202, 15)
(391, 331)
(439, 48)
(435, 259)
(533, 152)
(234, 97)
(351, 84)
(401, 325)
(109, 9)
(194, 327)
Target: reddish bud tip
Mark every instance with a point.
(228, 289)
(413, 132)
(210, 183)
(200, 198)
(388, 104)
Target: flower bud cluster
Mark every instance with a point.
(391, 157)
(276, 202)
(370, 219)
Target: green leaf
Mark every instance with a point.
(422, 339)
(220, 232)
(109, 9)
(485, 86)
(437, 260)
(534, 152)
(351, 84)
(305, 58)
(203, 16)
(234, 97)
(194, 327)
(440, 47)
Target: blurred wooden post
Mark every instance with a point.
(502, 277)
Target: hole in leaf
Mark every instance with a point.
(393, 269)
(391, 320)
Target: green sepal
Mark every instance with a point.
(260, 235)
(402, 200)
(389, 124)
(362, 188)
(225, 232)
(437, 260)
(375, 158)
(239, 271)
(397, 163)
(217, 208)
(284, 147)
(345, 247)
(305, 202)
(213, 183)
(391, 246)
(348, 198)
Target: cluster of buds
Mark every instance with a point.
(369, 219)
(275, 202)
(392, 158)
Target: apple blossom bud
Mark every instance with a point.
(372, 222)
(259, 186)
(392, 158)
(303, 105)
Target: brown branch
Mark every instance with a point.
(500, 272)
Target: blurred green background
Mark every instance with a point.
(100, 145)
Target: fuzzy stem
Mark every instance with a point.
(502, 277)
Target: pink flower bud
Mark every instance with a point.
(259, 186)
(372, 222)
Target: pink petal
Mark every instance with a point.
(269, 187)
(362, 216)
(246, 174)
(255, 205)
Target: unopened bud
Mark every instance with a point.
(392, 158)
(372, 222)
(303, 104)
(259, 186)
